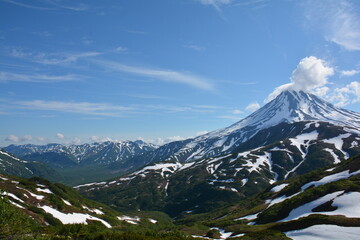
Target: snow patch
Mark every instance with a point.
(72, 218)
(335, 157)
(248, 217)
(306, 209)
(152, 220)
(44, 190)
(278, 188)
(330, 178)
(132, 220)
(223, 234)
(66, 202)
(338, 143)
(96, 211)
(12, 196)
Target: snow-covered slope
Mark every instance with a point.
(322, 204)
(10, 164)
(50, 204)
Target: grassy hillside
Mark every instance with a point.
(37, 209)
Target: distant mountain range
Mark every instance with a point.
(58, 155)
(86, 162)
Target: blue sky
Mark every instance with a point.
(84, 71)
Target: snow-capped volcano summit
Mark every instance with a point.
(295, 106)
(288, 107)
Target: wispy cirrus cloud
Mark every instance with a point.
(60, 4)
(104, 109)
(253, 4)
(37, 78)
(26, 5)
(50, 58)
(87, 108)
(160, 74)
(46, 5)
(215, 3)
(337, 20)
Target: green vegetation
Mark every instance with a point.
(13, 222)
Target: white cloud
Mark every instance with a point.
(100, 109)
(40, 139)
(26, 138)
(121, 49)
(237, 111)
(161, 141)
(76, 141)
(252, 107)
(201, 133)
(311, 73)
(37, 78)
(100, 139)
(321, 91)
(349, 73)
(163, 75)
(346, 95)
(12, 138)
(174, 138)
(60, 136)
(16, 139)
(337, 20)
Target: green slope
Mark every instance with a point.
(319, 196)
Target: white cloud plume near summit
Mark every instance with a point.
(311, 73)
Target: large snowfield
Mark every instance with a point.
(328, 232)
